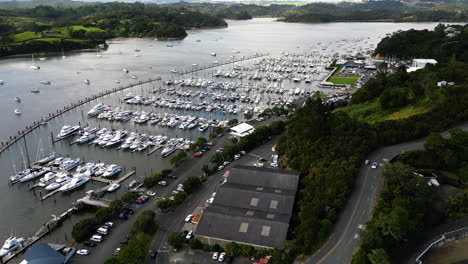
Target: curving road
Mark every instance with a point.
(345, 238)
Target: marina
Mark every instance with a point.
(178, 106)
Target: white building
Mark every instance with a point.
(242, 130)
(420, 64)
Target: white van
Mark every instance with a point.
(96, 238)
(102, 231)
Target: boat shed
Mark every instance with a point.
(253, 207)
(43, 253)
(242, 130)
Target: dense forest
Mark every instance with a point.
(46, 28)
(376, 11)
(328, 146)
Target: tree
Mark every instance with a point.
(129, 197)
(135, 251)
(191, 183)
(144, 224)
(84, 229)
(176, 240)
(379, 256)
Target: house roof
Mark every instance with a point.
(266, 177)
(43, 254)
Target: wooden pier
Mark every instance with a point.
(214, 65)
(99, 179)
(154, 149)
(44, 230)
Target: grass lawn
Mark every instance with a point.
(24, 36)
(343, 80)
(372, 112)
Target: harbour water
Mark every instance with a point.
(23, 211)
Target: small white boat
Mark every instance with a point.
(35, 90)
(134, 77)
(87, 81)
(45, 82)
(117, 81)
(113, 187)
(61, 179)
(33, 174)
(213, 54)
(2, 82)
(17, 99)
(48, 177)
(18, 112)
(10, 245)
(125, 70)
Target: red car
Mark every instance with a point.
(220, 150)
(198, 154)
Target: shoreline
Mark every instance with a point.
(55, 53)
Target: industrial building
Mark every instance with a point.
(252, 207)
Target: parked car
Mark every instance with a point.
(162, 183)
(221, 167)
(258, 165)
(89, 244)
(374, 165)
(151, 193)
(220, 150)
(188, 218)
(172, 176)
(83, 252)
(189, 235)
(109, 224)
(116, 252)
(125, 242)
(237, 156)
(210, 201)
(366, 162)
(197, 154)
(222, 256)
(243, 152)
(215, 255)
(274, 164)
(97, 238)
(226, 163)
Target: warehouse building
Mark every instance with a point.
(253, 207)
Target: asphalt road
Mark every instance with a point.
(345, 238)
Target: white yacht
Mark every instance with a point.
(33, 174)
(167, 151)
(202, 128)
(111, 171)
(87, 81)
(69, 164)
(125, 70)
(48, 177)
(19, 175)
(17, 112)
(84, 168)
(10, 245)
(93, 169)
(61, 180)
(74, 183)
(45, 82)
(86, 137)
(67, 130)
(96, 110)
(113, 187)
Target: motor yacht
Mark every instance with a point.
(17, 99)
(93, 169)
(61, 180)
(69, 164)
(10, 245)
(33, 174)
(133, 184)
(67, 131)
(167, 151)
(111, 171)
(17, 112)
(113, 187)
(48, 177)
(84, 168)
(45, 82)
(96, 110)
(86, 137)
(74, 183)
(87, 81)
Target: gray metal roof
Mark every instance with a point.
(254, 207)
(225, 223)
(240, 196)
(266, 177)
